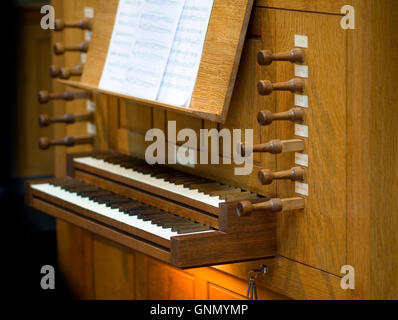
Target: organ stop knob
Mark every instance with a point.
(66, 72)
(266, 87)
(84, 24)
(266, 176)
(45, 120)
(266, 117)
(45, 97)
(60, 48)
(45, 143)
(246, 208)
(266, 57)
(273, 147)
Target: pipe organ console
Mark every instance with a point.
(322, 131)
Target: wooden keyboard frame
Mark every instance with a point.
(237, 240)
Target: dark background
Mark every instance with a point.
(29, 240)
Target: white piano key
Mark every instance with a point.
(102, 209)
(149, 180)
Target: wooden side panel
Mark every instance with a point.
(219, 293)
(373, 152)
(135, 117)
(292, 279)
(34, 57)
(321, 6)
(317, 235)
(114, 271)
(166, 283)
(75, 259)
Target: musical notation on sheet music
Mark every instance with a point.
(156, 49)
(126, 23)
(184, 61)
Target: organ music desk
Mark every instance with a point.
(321, 196)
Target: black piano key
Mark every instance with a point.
(94, 195)
(88, 194)
(127, 205)
(99, 198)
(134, 211)
(81, 188)
(67, 182)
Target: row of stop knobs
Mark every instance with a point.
(265, 118)
(69, 95)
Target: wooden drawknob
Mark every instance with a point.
(266, 176)
(266, 57)
(273, 147)
(266, 87)
(67, 72)
(266, 117)
(60, 48)
(45, 143)
(45, 97)
(45, 120)
(55, 72)
(246, 208)
(84, 24)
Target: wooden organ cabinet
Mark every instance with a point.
(322, 195)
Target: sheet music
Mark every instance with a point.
(183, 65)
(123, 35)
(156, 49)
(151, 50)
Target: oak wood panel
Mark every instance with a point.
(135, 117)
(373, 152)
(187, 250)
(183, 122)
(34, 57)
(230, 282)
(315, 236)
(292, 279)
(167, 283)
(101, 122)
(321, 6)
(219, 293)
(114, 274)
(75, 259)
